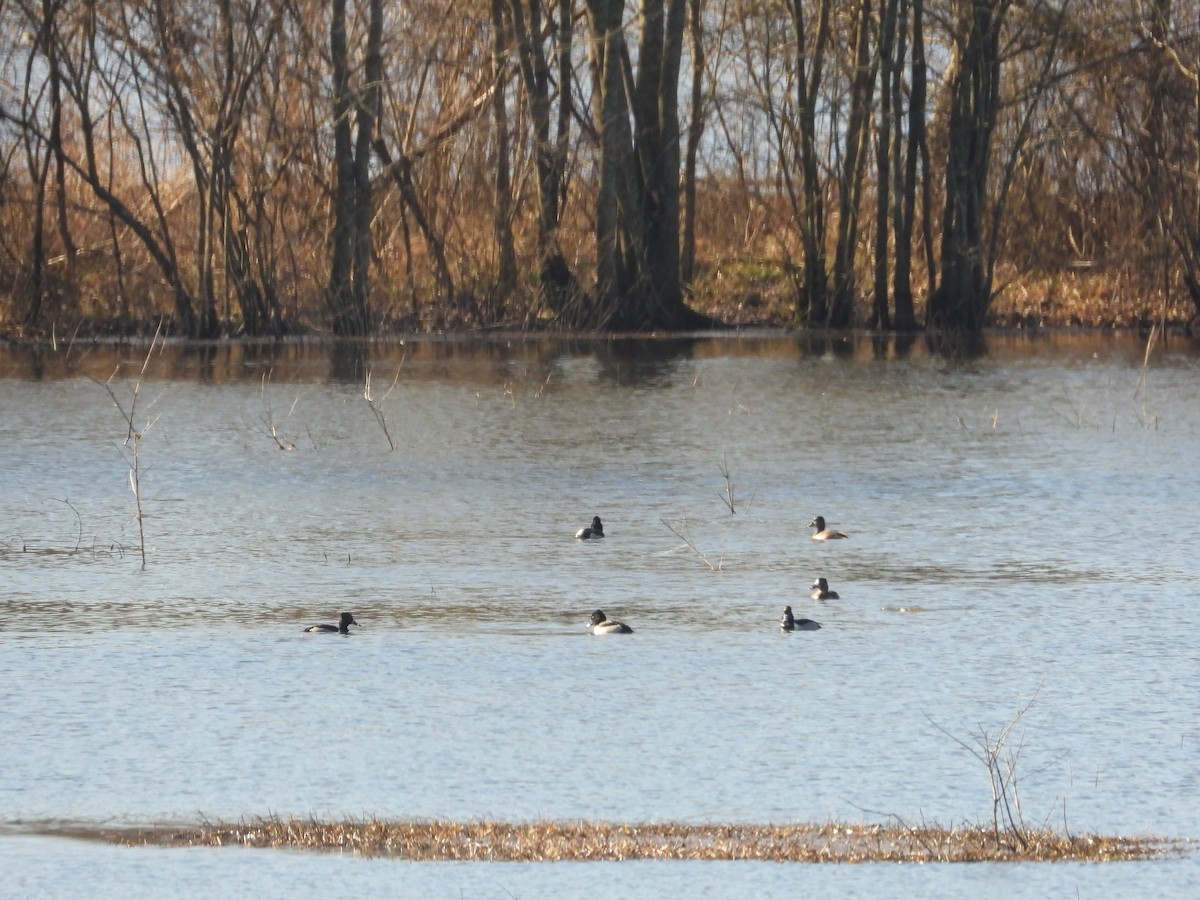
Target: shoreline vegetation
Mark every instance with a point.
(744, 309)
(279, 169)
(583, 841)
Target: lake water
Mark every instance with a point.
(1024, 527)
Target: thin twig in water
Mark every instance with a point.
(727, 497)
(377, 406)
(1078, 410)
(78, 525)
(1144, 417)
(1007, 817)
(688, 542)
(134, 435)
(1141, 382)
(269, 416)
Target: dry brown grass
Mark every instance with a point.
(594, 841)
(759, 293)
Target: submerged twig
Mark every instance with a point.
(78, 524)
(134, 435)
(377, 405)
(1141, 382)
(1148, 418)
(727, 496)
(688, 543)
(269, 415)
(1001, 765)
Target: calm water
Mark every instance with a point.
(1023, 527)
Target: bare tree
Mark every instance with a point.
(809, 201)
(1169, 149)
(637, 194)
(248, 164)
(556, 282)
(961, 300)
(854, 164)
(917, 149)
(355, 114)
(207, 71)
(695, 131)
(502, 221)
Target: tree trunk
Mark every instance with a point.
(557, 285)
(637, 202)
(813, 302)
(366, 125)
(656, 115)
(612, 128)
(502, 217)
(347, 300)
(961, 301)
(906, 319)
(890, 54)
(850, 185)
(687, 265)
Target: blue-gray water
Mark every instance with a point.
(1023, 527)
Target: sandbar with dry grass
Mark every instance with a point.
(596, 841)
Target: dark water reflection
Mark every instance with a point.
(645, 361)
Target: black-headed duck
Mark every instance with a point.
(601, 624)
(791, 623)
(595, 530)
(821, 590)
(822, 533)
(343, 626)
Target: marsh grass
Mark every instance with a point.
(597, 841)
(1007, 839)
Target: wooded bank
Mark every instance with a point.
(262, 167)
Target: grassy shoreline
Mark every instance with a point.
(549, 841)
(735, 297)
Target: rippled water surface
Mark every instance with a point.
(1023, 528)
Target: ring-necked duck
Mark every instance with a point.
(790, 623)
(595, 530)
(821, 590)
(344, 622)
(822, 533)
(601, 624)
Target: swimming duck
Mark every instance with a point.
(821, 590)
(595, 530)
(343, 626)
(601, 624)
(822, 533)
(789, 623)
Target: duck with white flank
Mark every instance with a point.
(791, 623)
(595, 530)
(601, 624)
(343, 626)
